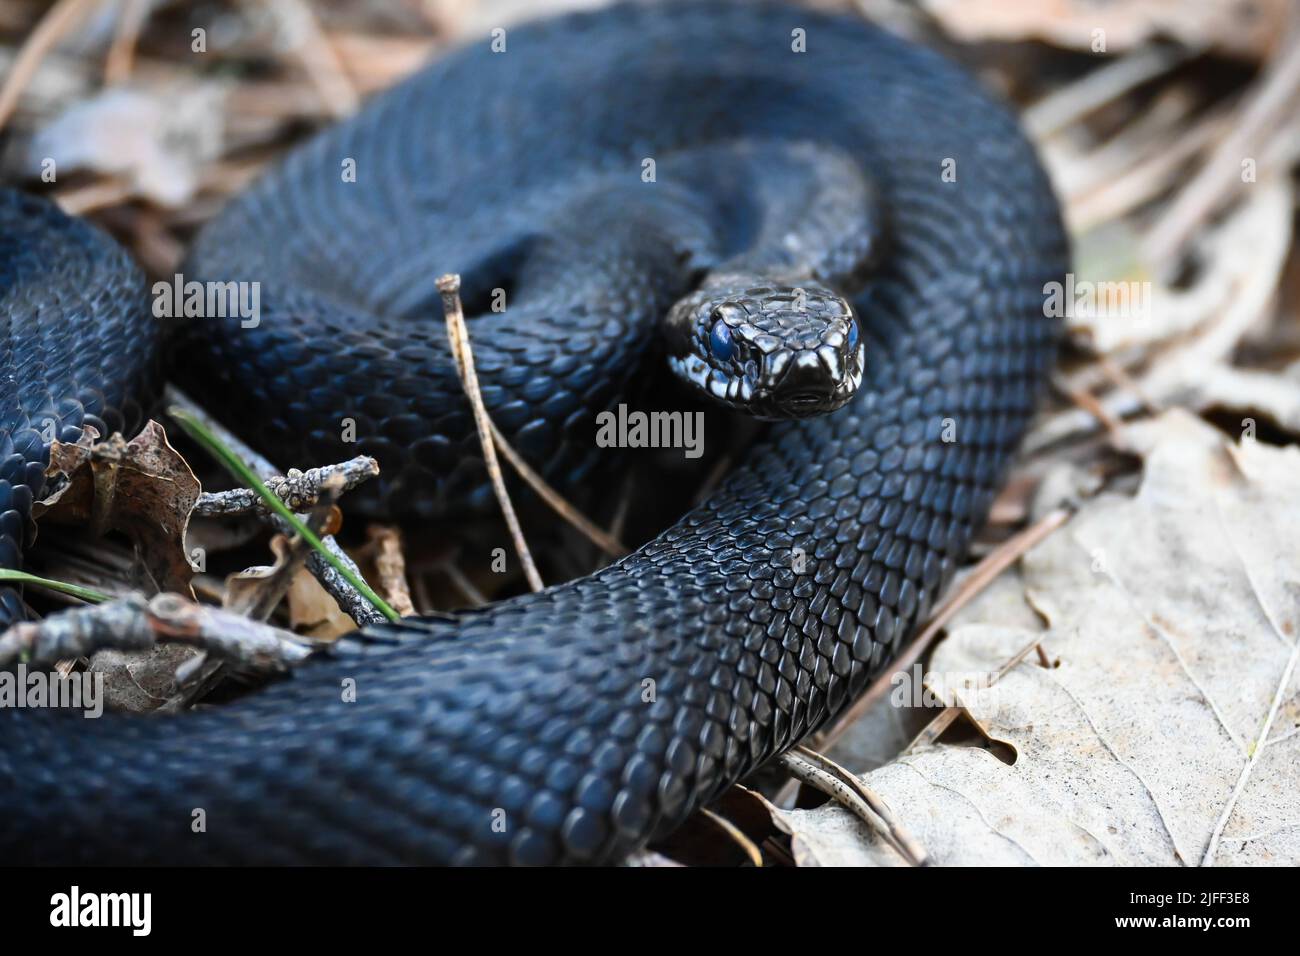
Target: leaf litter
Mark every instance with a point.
(1157, 719)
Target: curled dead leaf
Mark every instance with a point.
(142, 488)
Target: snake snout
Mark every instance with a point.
(815, 382)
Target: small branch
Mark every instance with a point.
(1069, 104)
(954, 709)
(299, 490)
(1269, 105)
(237, 468)
(136, 624)
(56, 23)
(336, 582)
(317, 56)
(351, 601)
(391, 565)
(121, 55)
(257, 597)
(449, 287)
(855, 796)
(606, 542)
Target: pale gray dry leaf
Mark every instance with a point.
(474, 18)
(877, 737)
(158, 140)
(1242, 258)
(1169, 731)
(1244, 28)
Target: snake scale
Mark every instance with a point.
(521, 732)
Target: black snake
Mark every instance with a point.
(599, 168)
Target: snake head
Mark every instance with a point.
(774, 352)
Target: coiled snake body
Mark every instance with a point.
(522, 732)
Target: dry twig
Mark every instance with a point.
(299, 490)
(257, 597)
(449, 287)
(850, 792)
(56, 23)
(135, 623)
(391, 565)
(352, 601)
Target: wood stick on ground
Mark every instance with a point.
(313, 50)
(260, 596)
(458, 334)
(608, 543)
(1065, 106)
(1269, 104)
(299, 490)
(353, 603)
(56, 23)
(121, 55)
(855, 796)
(945, 718)
(102, 193)
(135, 623)
(390, 563)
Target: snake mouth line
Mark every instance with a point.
(793, 396)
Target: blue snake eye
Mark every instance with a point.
(720, 343)
(853, 333)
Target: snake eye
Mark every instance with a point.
(720, 343)
(853, 333)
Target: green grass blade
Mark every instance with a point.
(236, 466)
(76, 590)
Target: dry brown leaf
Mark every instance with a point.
(142, 488)
(313, 612)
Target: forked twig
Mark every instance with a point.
(353, 603)
(606, 542)
(458, 334)
(299, 490)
